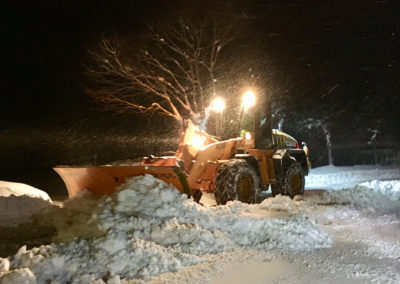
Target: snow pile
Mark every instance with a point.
(148, 228)
(280, 203)
(354, 189)
(390, 188)
(371, 197)
(14, 188)
(169, 218)
(20, 275)
(331, 177)
(74, 219)
(109, 257)
(4, 264)
(19, 202)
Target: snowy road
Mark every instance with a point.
(146, 232)
(364, 225)
(365, 249)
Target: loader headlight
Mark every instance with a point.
(249, 139)
(197, 141)
(218, 104)
(248, 100)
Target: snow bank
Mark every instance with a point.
(331, 177)
(370, 197)
(74, 218)
(15, 188)
(4, 264)
(390, 188)
(20, 275)
(147, 228)
(363, 188)
(169, 218)
(19, 202)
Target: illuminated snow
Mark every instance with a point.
(331, 177)
(148, 230)
(19, 202)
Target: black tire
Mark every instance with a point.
(277, 187)
(236, 180)
(292, 183)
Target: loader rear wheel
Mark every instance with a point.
(236, 180)
(276, 188)
(292, 182)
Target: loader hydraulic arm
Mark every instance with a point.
(209, 155)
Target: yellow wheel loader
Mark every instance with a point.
(233, 169)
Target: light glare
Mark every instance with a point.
(218, 104)
(197, 141)
(249, 99)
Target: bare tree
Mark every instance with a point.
(173, 70)
(322, 124)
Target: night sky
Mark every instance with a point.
(334, 59)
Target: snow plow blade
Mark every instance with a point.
(105, 179)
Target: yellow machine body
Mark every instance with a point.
(200, 153)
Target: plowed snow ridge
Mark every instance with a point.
(149, 228)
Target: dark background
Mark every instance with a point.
(337, 61)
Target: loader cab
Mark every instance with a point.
(258, 123)
(262, 126)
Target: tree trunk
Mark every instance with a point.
(328, 143)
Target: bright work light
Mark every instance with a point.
(218, 104)
(249, 99)
(197, 141)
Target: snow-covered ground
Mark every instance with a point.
(147, 232)
(331, 177)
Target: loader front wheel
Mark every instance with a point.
(236, 180)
